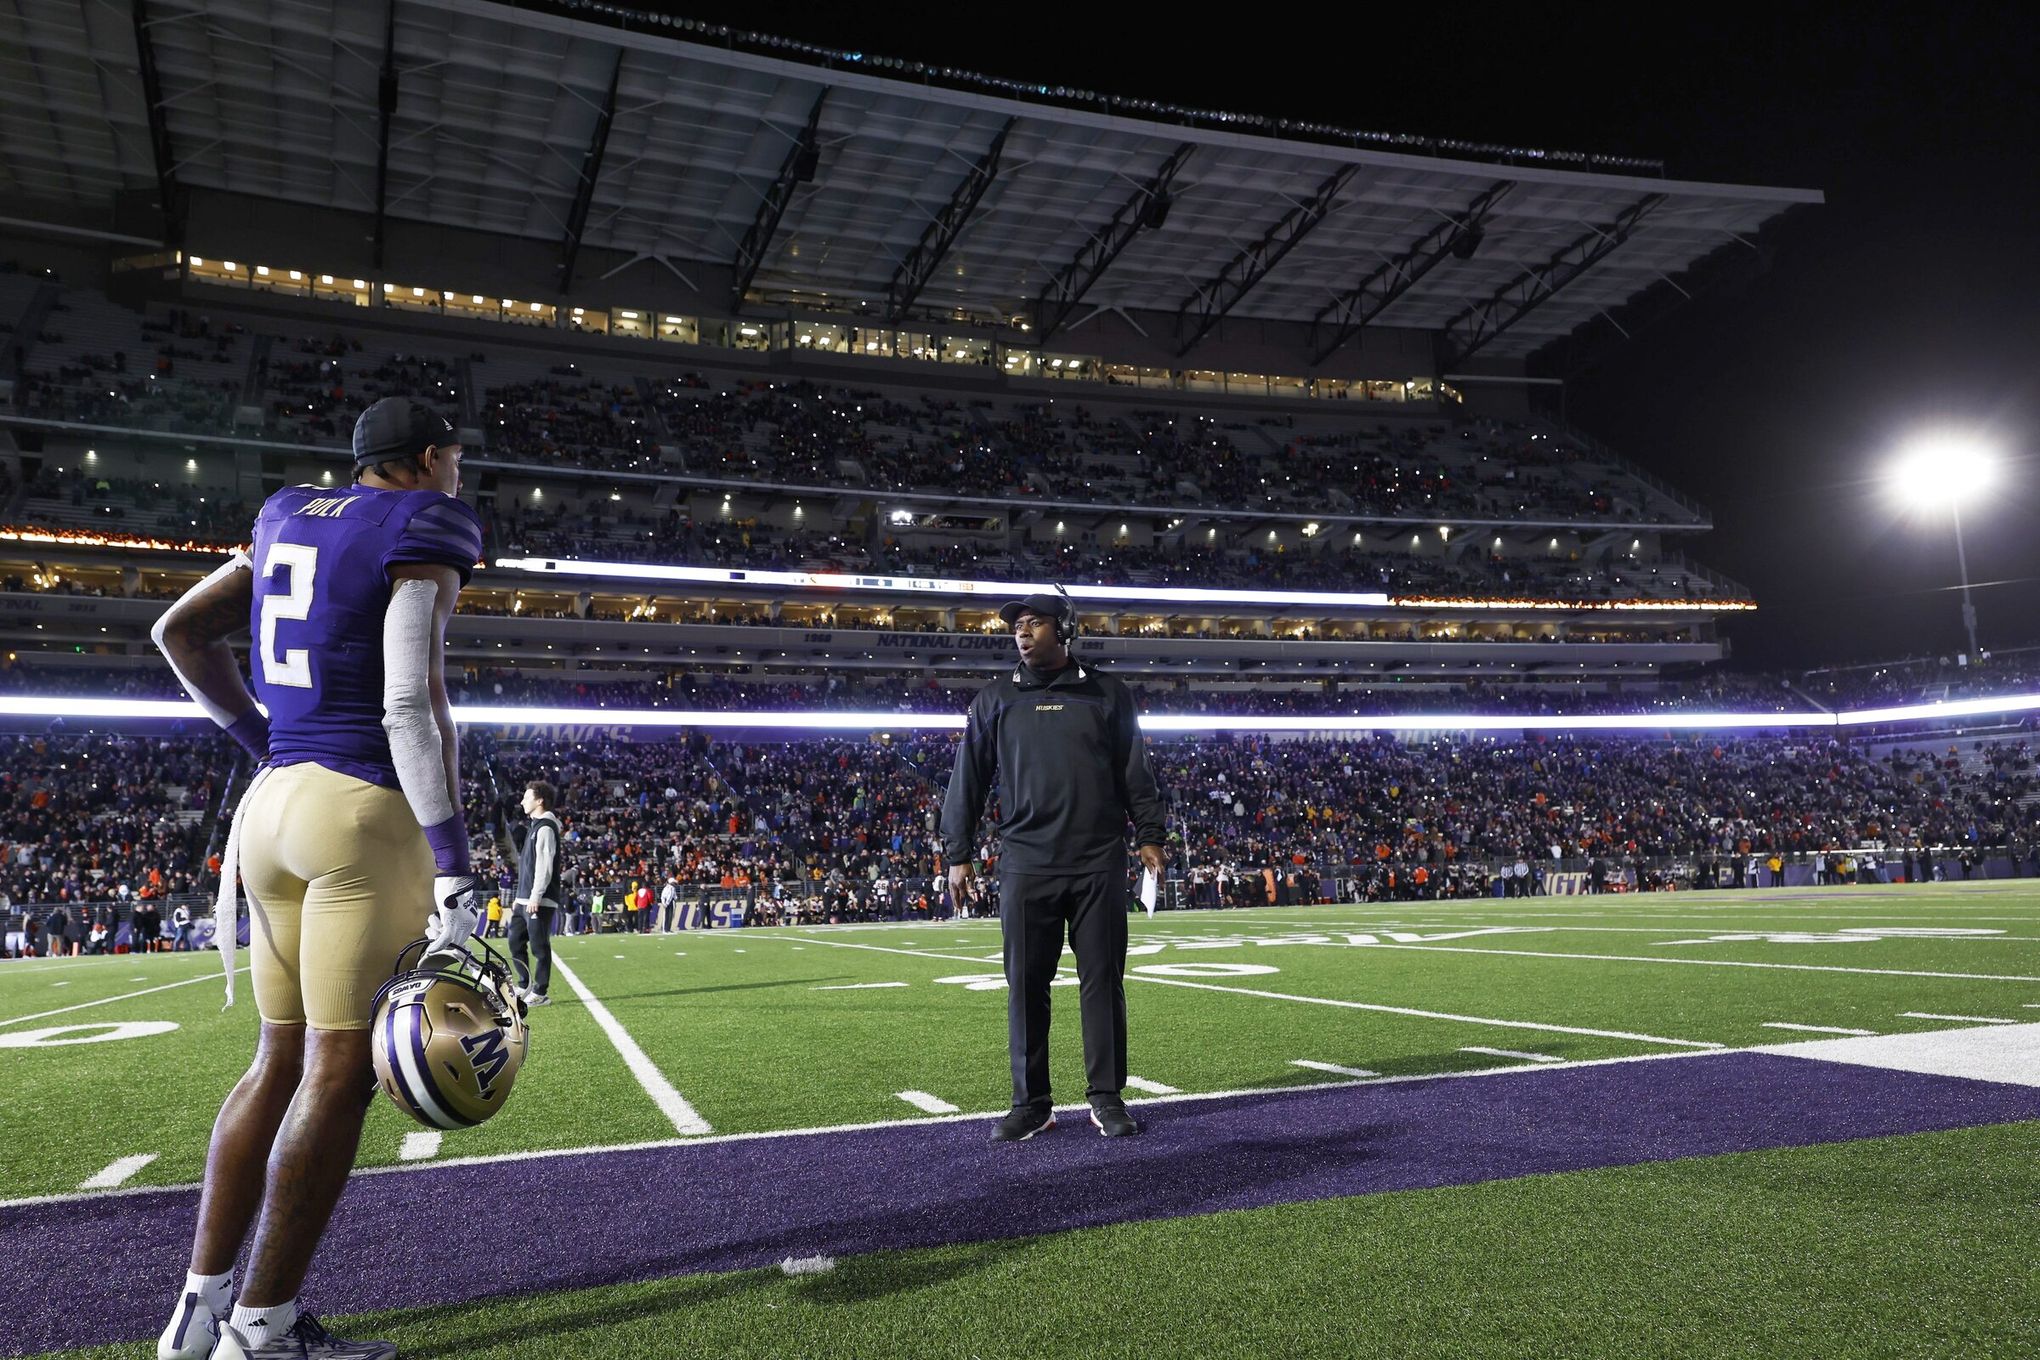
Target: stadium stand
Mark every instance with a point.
(99, 820)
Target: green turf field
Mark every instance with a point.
(1911, 1245)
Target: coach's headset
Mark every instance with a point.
(1066, 622)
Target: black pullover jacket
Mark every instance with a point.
(1072, 771)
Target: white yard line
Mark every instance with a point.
(1514, 1053)
(125, 996)
(1329, 1001)
(1972, 1019)
(855, 986)
(492, 1159)
(1695, 963)
(1152, 1088)
(670, 1102)
(420, 1145)
(1425, 1015)
(1332, 1067)
(118, 1173)
(1817, 1029)
(921, 1100)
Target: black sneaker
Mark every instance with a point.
(1023, 1123)
(1112, 1121)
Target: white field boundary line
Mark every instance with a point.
(655, 1144)
(1967, 1019)
(109, 1000)
(1695, 963)
(1329, 1001)
(670, 1102)
(1514, 1053)
(1819, 1029)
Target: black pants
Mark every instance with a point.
(1034, 912)
(538, 931)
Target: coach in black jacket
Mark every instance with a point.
(1072, 771)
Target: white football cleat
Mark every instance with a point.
(193, 1330)
(306, 1340)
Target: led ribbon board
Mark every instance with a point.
(1009, 590)
(493, 715)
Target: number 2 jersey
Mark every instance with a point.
(322, 558)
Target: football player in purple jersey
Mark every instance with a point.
(352, 818)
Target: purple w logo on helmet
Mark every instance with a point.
(488, 1053)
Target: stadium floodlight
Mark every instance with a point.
(1948, 467)
(1944, 468)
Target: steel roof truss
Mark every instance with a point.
(920, 264)
(1469, 331)
(751, 250)
(386, 108)
(591, 170)
(1064, 291)
(1210, 303)
(1359, 306)
(159, 129)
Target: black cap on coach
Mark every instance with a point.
(1048, 606)
(397, 427)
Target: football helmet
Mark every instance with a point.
(448, 1039)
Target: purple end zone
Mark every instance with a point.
(608, 1218)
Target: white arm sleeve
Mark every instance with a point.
(238, 562)
(416, 747)
(542, 862)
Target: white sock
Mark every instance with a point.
(262, 1325)
(215, 1291)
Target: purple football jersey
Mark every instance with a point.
(322, 558)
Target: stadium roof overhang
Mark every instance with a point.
(829, 181)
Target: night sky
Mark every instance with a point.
(1911, 300)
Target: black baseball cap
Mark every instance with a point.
(1048, 606)
(397, 427)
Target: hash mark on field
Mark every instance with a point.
(109, 1000)
(420, 1145)
(670, 1102)
(1512, 1053)
(1332, 1067)
(1817, 1029)
(1973, 1019)
(856, 986)
(619, 956)
(807, 1265)
(921, 1100)
(1153, 1088)
(139, 979)
(118, 1172)
(65, 983)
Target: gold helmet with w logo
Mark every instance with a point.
(448, 1035)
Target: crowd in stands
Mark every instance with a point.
(315, 385)
(177, 370)
(564, 414)
(839, 828)
(78, 497)
(96, 820)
